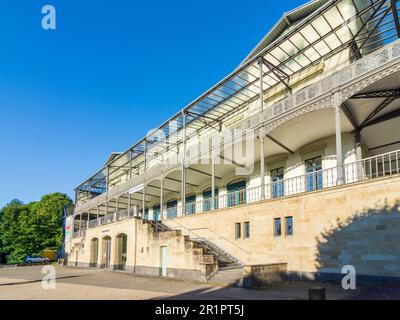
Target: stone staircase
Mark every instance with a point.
(218, 266)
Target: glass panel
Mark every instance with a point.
(156, 213)
(191, 204)
(247, 230)
(333, 17)
(321, 26)
(311, 54)
(344, 34)
(238, 233)
(322, 48)
(146, 213)
(277, 227)
(299, 41)
(288, 47)
(172, 208)
(333, 41)
(289, 226)
(278, 188)
(207, 196)
(236, 193)
(309, 33)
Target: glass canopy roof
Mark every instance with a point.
(363, 25)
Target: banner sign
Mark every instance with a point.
(136, 189)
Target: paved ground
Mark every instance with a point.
(71, 283)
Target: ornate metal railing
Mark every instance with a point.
(383, 165)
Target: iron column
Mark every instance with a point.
(261, 134)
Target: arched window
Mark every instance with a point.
(236, 193)
(190, 203)
(172, 208)
(207, 199)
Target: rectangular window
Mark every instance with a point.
(289, 226)
(238, 233)
(277, 227)
(247, 230)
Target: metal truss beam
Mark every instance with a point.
(349, 115)
(180, 181)
(386, 117)
(205, 173)
(384, 145)
(378, 109)
(281, 75)
(395, 17)
(355, 50)
(159, 188)
(365, 40)
(203, 118)
(395, 93)
(279, 144)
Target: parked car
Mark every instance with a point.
(36, 259)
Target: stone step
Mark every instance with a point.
(228, 276)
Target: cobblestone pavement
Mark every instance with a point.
(71, 283)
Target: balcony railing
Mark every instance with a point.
(383, 165)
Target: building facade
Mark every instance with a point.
(292, 161)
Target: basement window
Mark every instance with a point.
(238, 233)
(277, 227)
(247, 230)
(289, 226)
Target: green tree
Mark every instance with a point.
(27, 229)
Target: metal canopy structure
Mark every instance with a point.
(303, 38)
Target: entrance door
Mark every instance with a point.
(277, 183)
(107, 254)
(314, 174)
(164, 259)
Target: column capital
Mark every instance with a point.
(261, 133)
(337, 99)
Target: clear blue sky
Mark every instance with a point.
(111, 71)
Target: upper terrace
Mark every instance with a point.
(324, 55)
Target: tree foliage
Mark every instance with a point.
(29, 228)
